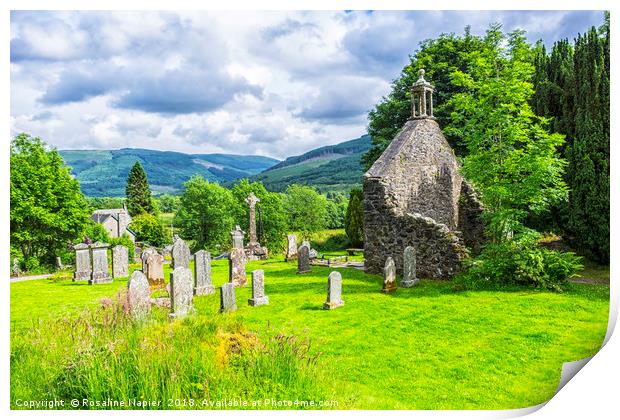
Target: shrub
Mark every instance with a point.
(354, 219)
(148, 229)
(520, 262)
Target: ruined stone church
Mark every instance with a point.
(415, 196)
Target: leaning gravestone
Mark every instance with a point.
(180, 254)
(181, 292)
(138, 295)
(258, 289)
(409, 274)
(334, 291)
(389, 276)
(202, 273)
(99, 263)
(303, 259)
(228, 303)
(236, 267)
(291, 250)
(82, 262)
(120, 261)
(155, 269)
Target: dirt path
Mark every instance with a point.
(26, 278)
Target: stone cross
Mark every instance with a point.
(154, 269)
(389, 276)
(303, 259)
(409, 268)
(202, 273)
(99, 263)
(236, 267)
(181, 292)
(251, 202)
(120, 261)
(291, 250)
(228, 303)
(138, 295)
(82, 262)
(258, 289)
(180, 254)
(334, 291)
(237, 238)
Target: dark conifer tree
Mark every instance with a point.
(138, 192)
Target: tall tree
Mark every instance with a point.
(354, 219)
(512, 159)
(47, 207)
(138, 191)
(306, 209)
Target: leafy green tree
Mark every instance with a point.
(306, 209)
(47, 207)
(206, 215)
(271, 222)
(95, 232)
(105, 202)
(336, 209)
(440, 58)
(169, 203)
(354, 219)
(512, 160)
(148, 229)
(138, 191)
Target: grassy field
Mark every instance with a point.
(428, 347)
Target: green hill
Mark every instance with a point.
(329, 168)
(104, 172)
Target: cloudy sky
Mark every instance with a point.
(269, 83)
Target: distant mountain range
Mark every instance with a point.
(104, 172)
(329, 168)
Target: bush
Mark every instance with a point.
(354, 219)
(125, 240)
(95, 232)
(520, 262)
(148, 229)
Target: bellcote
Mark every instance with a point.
(422, 98)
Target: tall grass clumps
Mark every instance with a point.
(196, 363)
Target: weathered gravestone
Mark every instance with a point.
(236, 267)
(291, 250)
(303, 259)
(120, 261)
(202, 273)
(155, 269)
(258, 289)
(99, 263)
(82, 262)
(254, 250)
(138, 295)
(181, 292)
(389, 276)
(144, 255)
(409, 274)
(228, 303)
(180, 254)
(237, 238)
(334, 291)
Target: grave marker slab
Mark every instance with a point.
(180, 254)
(181, 292)
(236, 267)
(303, 259)
(389, 276)
(409, 268)
(334, 291)
(155, 269)
(291, 250)
(202, 273)
(228, 302)
(138, 295)
(120, 261)
(82, 262)
(258, 289)
(99, 263)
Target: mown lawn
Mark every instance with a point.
(427, 347)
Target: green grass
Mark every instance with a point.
(426, 347)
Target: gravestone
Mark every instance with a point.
(181, 292)
(237, 238)
(254, 250)
(236, 267)
(409, 274)
(59, 264)
(258, 289)
(291, 250)
(99, 264)
(334, 291)
(155, 269)
(228, 303)
(312, 252)
(138, 295)
(145, 255)
(303, 259)
(202, 273)
(180, 254)
(389, 276)
(82, 262)
(120, 261)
